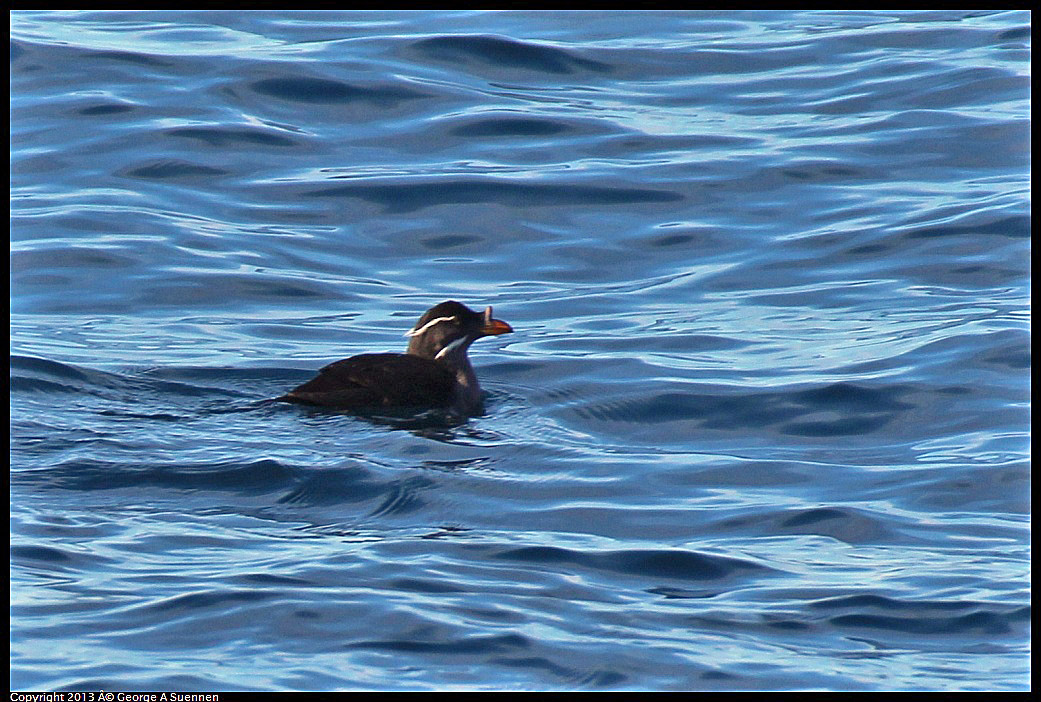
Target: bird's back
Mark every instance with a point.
(378, 379)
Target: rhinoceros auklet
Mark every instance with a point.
(434, 372)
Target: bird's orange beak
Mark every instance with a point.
(494, 327)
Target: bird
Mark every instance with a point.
(434, 372)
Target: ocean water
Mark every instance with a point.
(763, 423)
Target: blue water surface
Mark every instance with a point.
(763, 423)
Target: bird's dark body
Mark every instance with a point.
(379, 380)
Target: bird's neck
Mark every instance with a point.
(416, 347)
(468, 391)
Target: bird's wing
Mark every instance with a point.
(379, 379)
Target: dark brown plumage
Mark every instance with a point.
(434, 372)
